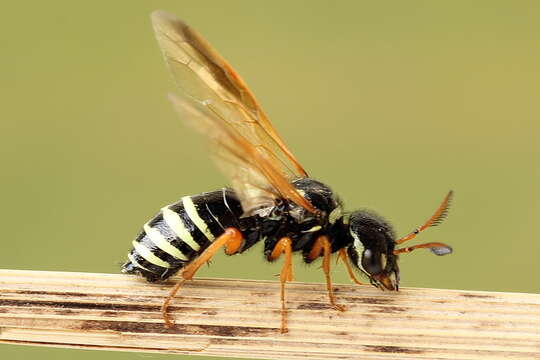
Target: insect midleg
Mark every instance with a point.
(322, 245)
(284, 246)
(344, 257)
(231, 239)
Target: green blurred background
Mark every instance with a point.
(391, 103)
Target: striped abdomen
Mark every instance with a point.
(180, 232)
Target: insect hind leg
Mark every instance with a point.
(231, 239)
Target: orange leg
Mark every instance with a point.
(284, 246)
(322, 245)
(231, 239)
(343, 256)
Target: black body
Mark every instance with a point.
(221, 209)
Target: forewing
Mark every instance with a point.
(203, 74)
(250, 169)
(258, 162)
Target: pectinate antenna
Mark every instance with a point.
(437, 218)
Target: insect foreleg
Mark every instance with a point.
(322, 245)
(344, 257)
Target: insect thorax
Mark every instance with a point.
(286, 219)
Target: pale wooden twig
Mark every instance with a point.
(241, 318)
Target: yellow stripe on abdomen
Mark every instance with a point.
(173, 220)
(193, 214)
(159, 240)
(136, 263)
(147, 255)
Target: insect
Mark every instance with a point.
(271, 199)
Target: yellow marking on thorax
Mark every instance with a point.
(177, 225)
(335, 215)
(159, 240)
(301, 192)
(148, 256)
(193, 214)
(313, 229)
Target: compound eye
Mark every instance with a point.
(371, 262)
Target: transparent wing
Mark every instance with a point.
(216, 101)
(251, 169)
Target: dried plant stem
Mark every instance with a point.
(240, 318)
